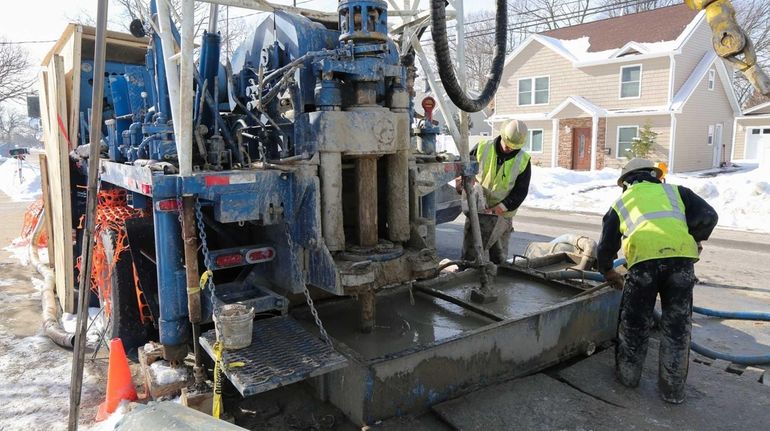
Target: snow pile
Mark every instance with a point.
(741, 198)
(22, 187)
(95, 327)
(165, 374)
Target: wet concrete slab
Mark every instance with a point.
(516, 296)
(587, 396)
(402, 322)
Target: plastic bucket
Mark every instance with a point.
(234, 324)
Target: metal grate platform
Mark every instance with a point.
(281, 353)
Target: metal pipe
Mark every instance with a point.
(172, 75)
(213, 17)
(190, 239)
(184, 141)
(84, 290)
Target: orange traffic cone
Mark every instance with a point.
(119, 384)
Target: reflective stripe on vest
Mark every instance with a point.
(497, 183)
(653, 223)
(631, 224)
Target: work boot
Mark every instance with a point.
(673, 398)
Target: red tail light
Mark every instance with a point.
(257, 255)
(227, 260)
(167, 205)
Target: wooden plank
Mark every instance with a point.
(48, 218)
(74, 83)
(57, 151)
(366, 190)
(42, 83)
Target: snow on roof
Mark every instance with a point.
(653, 26)
(650, 34)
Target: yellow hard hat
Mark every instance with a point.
(635, 165)
(514, 134)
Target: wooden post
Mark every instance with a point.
(366, 191)
(48, 218)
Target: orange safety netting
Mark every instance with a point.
(112, 211)
(31, 217)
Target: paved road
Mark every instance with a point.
(730, 258)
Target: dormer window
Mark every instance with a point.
(631, 82)
(712, 79)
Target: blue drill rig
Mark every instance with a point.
(306, 172)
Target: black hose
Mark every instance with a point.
(444, 58)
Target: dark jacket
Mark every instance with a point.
(519, 191)
(701, 221)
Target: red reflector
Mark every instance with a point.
(217, 181)
(146, 189)
(167, 205)
(257, 255)
(226, 260)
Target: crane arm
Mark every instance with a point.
(731, 42)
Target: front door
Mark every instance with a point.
(718, 145)
(581, 149)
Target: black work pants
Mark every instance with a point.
(673, 279)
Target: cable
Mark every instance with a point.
(26, 42)
(444, 58)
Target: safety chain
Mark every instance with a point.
(311, 305)
(207, 280)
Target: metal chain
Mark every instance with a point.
(311, 305)
(206, 256)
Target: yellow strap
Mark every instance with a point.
(216, 411)
(204, 279)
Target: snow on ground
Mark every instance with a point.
(742, 198)
(20, 188)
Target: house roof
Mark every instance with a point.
(657, 25)
(709, 60)
(761, 109)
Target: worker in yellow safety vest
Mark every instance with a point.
(504, 174)
(660, 228)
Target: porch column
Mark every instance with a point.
(594, 140)
(555, 143)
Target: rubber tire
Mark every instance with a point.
(126, 322)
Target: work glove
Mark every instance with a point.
(498, 209)
(615, 279)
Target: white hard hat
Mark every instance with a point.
(637, 164)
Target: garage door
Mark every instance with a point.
(757, 138)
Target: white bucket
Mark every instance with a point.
(234, 324)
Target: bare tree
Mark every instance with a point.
(623, 7)
(754, 18)
(543, 15)
(14, 71)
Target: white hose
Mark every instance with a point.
(51, 325)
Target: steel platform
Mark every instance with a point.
(281, 353)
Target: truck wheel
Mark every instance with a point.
(124, 320)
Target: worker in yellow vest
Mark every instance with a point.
(660, 227)
(504, 174)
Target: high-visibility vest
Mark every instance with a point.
(653, 223)
(498, 183)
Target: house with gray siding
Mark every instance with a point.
(586, 91)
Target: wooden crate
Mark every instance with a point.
(59, 87)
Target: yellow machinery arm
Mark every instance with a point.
(731, 42)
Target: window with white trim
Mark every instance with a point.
(534, 91)
(534, 141)
(710, 140)
(712, 79)
(626, 137)
(631, 82)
